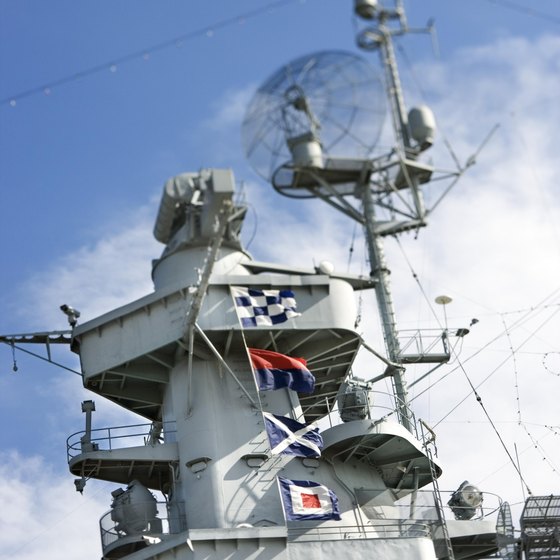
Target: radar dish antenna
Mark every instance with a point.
(505, 539)
(326, 103)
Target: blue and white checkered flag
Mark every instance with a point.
(257, 308)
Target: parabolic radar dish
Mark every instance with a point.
(330, 103)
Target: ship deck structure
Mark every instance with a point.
(236, 459)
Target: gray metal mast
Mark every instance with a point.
(380, 274)
(390, 182)
(380, 38)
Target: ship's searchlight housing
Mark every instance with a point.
(352, 401)
(465, 501)
(133, 509)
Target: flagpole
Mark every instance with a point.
(190, 369)
(214, 351)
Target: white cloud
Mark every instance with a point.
(230, 109)
(299, 233)
(43, 516)
(220, 134)
(94, 279)
(493, 246)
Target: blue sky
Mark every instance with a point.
(81, 171)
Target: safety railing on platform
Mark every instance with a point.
(410, 517)
(421, 507)
(373, 405)
(141, 523)
(389, 529)
(426, 345)
(406, 519)
(118, 437)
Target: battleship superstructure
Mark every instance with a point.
(181, 358)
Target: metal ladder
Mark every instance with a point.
(439, 503)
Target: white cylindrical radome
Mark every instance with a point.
(306, 151)
(422, 126)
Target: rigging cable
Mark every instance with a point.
(524, 451)
(473, 389)
(514, 358)
(15, 347)
(540, 449)
(478, 398)
(526, 10)
(417, 280)
(487, 414)
(547, 367)
(519, 467)
(176, 42)
(540, 306)
(423, 96)
(431, 308)
(47, 527)
(494, 370)
(360, 303)
(520, 422)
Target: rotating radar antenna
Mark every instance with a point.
(326, 103)
(311, 129)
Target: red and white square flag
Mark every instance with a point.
(304, 499)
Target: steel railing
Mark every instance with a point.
(380, 406)
(388, 529)
(118, 437)
(167, 520)
(424, 508)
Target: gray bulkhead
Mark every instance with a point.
(221, 477)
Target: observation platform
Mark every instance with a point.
(339, 176)
(164, 534)
(123, 453)
(127, 354)
(540, 527)
(388, 447)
